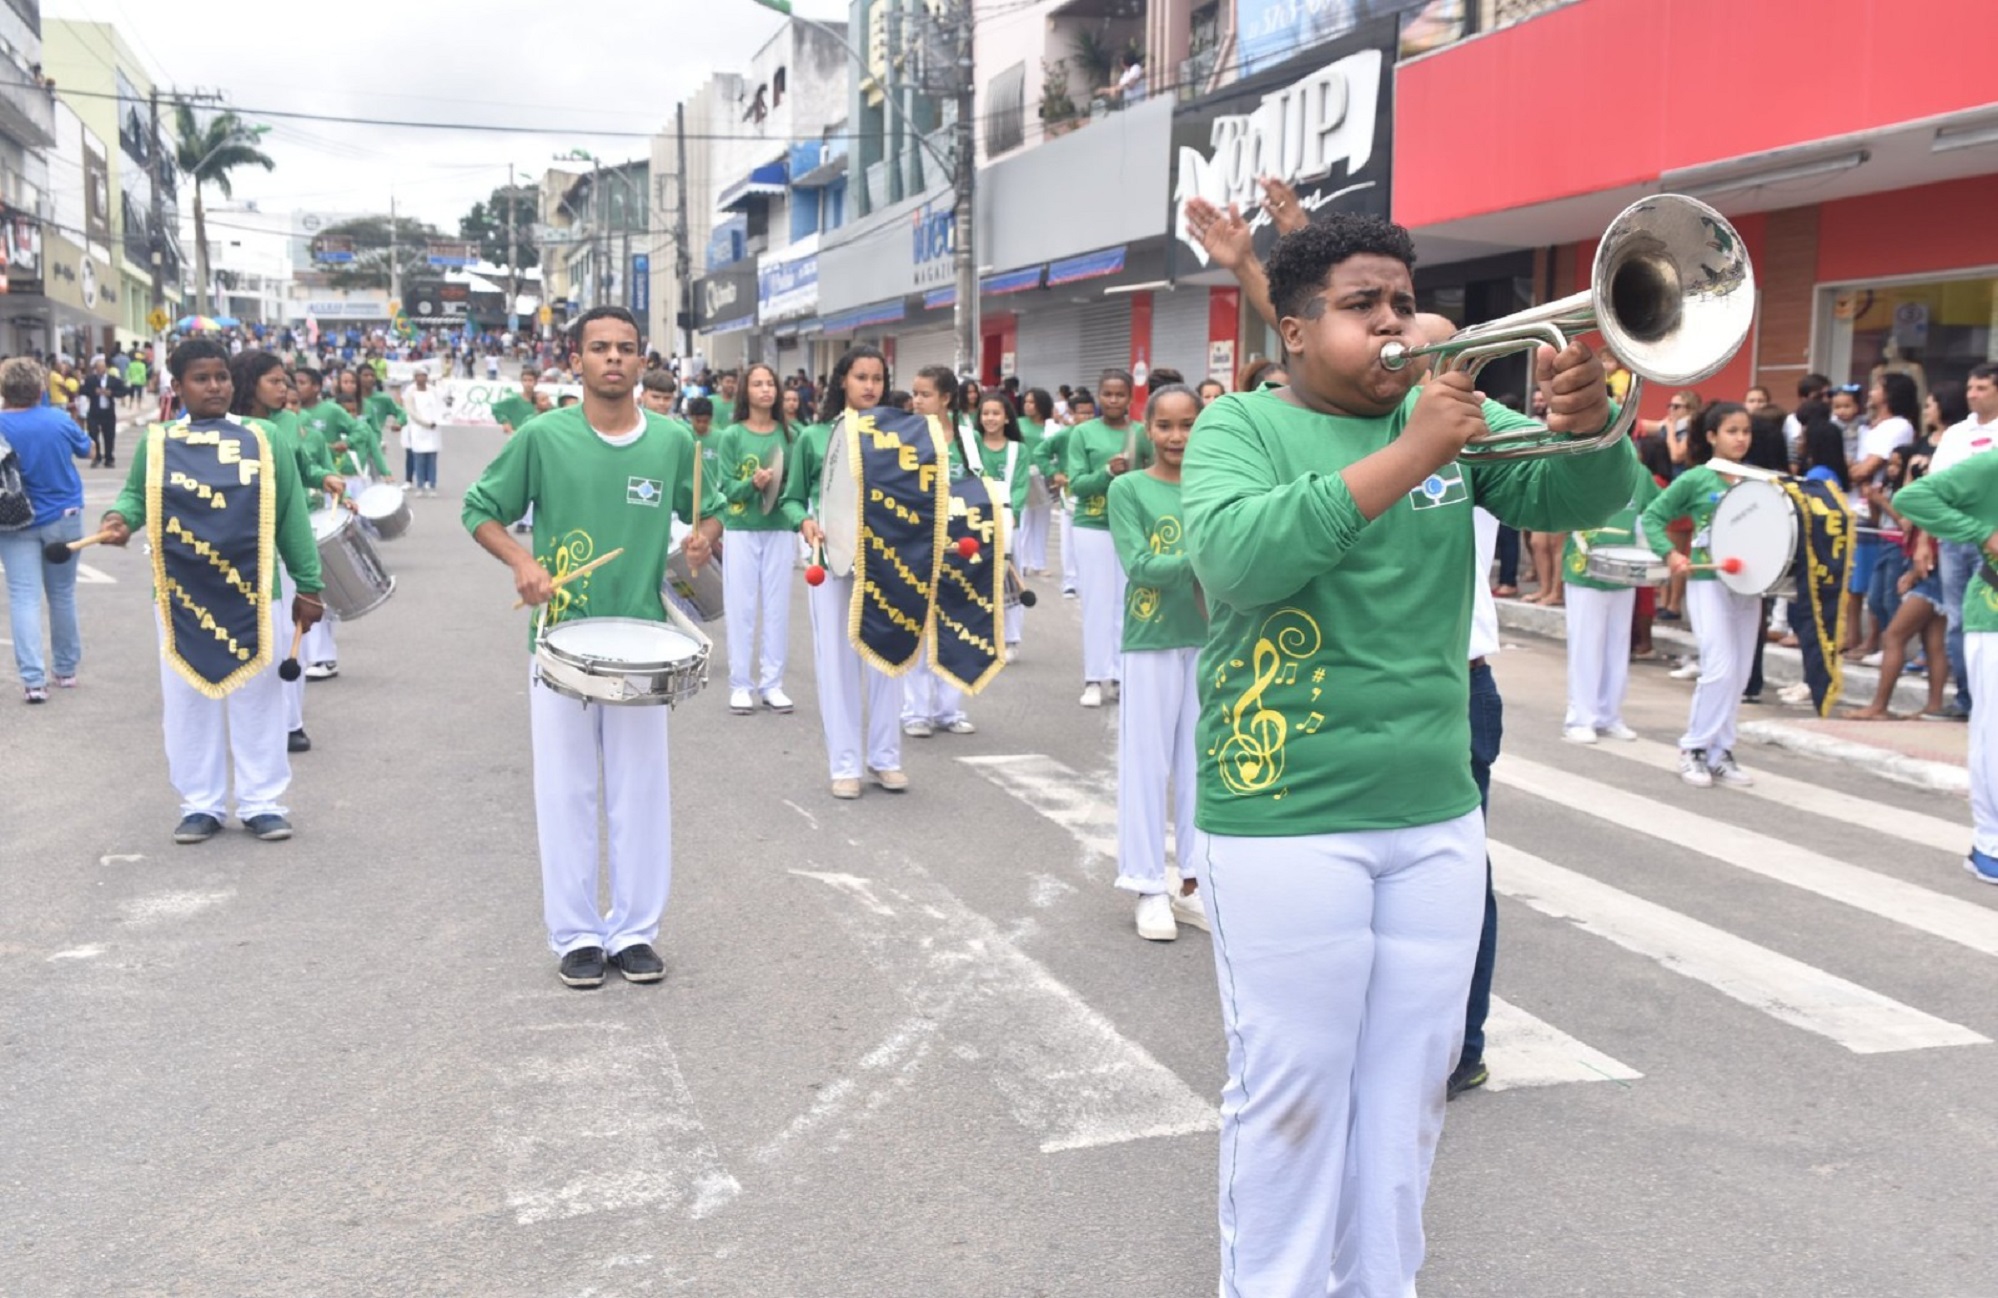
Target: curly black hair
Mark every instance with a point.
(1303, 258)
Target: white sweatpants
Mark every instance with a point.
(1598, 654)
(1033, 537)
(843, 679)
(1102, 603)
(1725, 624)
(205, 737)
(1980, 663)
(1344, 961)
(927, 696)
(1070, 577)
(571, 739)
(294, 690)
(318, 646)
(1155, 747)
(756, 577)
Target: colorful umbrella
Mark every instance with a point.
(205, 323)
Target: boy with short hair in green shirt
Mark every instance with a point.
(1164, 625)
(1341, 853)
(1097, 451)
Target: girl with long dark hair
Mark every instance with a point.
(756, 580)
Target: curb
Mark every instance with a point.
(1941, 777)
(1780, 666)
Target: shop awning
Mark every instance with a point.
(938, 298)
(1013, 281)
(734, 326)
(766, 181)
(1089, 265)
(860, 317)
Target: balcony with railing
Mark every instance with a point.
(27, 104)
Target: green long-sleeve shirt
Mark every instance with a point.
(803, 464)
(1161, 599)
(741, 454)
(1619, 529)
(1050, 455)
(1090, 449)
(1334, 685)
(298, 550)
(1960, 504)
(1694, 494)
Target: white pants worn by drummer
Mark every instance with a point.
(209, 739)
(1103, 588)
(1070, 577)
(1032, 547)
(758, 577)
(850, 690)
(1598, 654)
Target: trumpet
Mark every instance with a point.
(1671, 292)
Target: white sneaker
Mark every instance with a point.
(962, 726)
(918, 729)
(1579, 734)
(1689, 670)
(1797, 693)
(1013, 652)
(1092, 695)
(1871, 660)
(1188, 909)
(1155, 921)
(1618, 730)
(1693, 768)
(322, 671)
(777, 701)
(1723, 769)
(741, 702)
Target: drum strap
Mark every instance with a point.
(212, 504)
(974, 464)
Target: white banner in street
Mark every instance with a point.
(468, 403)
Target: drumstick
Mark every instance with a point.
(815, 571)
(574, 573)
(1729, 565)
(1027, 597)
(697, 487)
(288, 669)
(60, 551)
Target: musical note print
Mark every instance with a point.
(1251, 757)
(575, 550)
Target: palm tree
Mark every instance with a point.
(206, 153)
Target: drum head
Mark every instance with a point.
(1756, 523)
(839, 503)
(622, 642)
(328, 523)
(379, 501)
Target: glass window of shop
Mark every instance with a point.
(1934, 330)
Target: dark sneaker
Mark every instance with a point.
(271, 827)
(198, 828)
(34, 694)
(298, 742)
(1470, 1074)
(583, 967)
(639, 963)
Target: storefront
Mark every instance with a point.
(81, 321)
(725, 313)
(787, 298)
(876, 275)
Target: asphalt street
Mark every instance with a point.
(911, 1045)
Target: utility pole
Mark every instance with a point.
(158, 241)
(683, 260)
(599, 242)
(965, 317)
(395, 261)
(512, 248)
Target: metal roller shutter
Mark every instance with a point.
(1106, 340)
(1046, 348)
(913, 351)
(1179, 331)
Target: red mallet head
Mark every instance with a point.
(815, 575)
(967, 547)
(1731, 565)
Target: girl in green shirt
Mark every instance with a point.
(998, 453)
(930, 703)
(1165, 622)
(1100, 450)
(1725, 622)
(1036, 418)
(756, 579)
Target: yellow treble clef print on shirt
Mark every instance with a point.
(575, 550)
(750, 466)
(1251, 757)
(1164, 539)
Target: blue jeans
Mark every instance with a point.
(1958, 564)
(1508, 556)
(423, 469)
(1487, 730)
(1883, 593)
(29, 578)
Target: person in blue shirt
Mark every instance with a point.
(47, 442)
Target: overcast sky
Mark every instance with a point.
(566, 68)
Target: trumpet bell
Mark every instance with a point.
(1674, 294)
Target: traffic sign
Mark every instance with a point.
(545, 315)
(159, 320)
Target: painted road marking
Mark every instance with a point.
(1863, 1021)
(161, 908)
(1521, 1048)
(593, 1121)
(1826, 804)
(1064, 1070)
(1934, 913)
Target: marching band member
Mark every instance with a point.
(516, 408)
(1164, 626)
(999, 454)
(1960, 504)
(930, 703)
(1599, 626)
(602, 475)
(1098, 450)
(1330, 526)
(321, 422)
(226, 509)
(858, 382)
(1036, 422)
(378, 411)
(757, 577)
(1081, 409)
(1725, 623)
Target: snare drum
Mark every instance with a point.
(386, 507)
(357, 583)
(1758, 523)
(621, 661)
(1626, 565)
(700, 588)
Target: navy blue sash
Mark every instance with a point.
(212, 507)
(904, 487)
(971, 592)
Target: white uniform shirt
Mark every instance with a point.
(1484, 609)
(425, 408)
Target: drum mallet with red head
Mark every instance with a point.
(1728, 565)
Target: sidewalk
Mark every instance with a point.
(1925, 754)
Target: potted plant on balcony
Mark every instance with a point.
(1058, 112)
